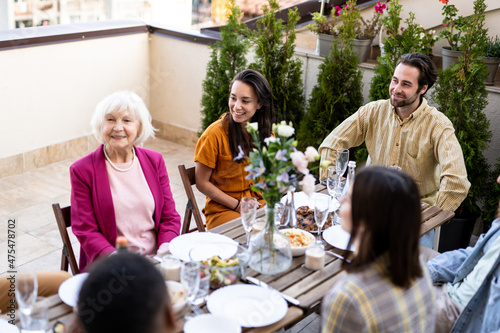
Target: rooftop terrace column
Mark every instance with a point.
(6, 15)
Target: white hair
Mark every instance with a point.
(121, 101)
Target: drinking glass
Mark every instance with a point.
(331, 180)
(340, 168)
(203, 287)
(342, 160)
(190, 277)
(26, 292)
(248, 212)
(321, 208)
(279, 208)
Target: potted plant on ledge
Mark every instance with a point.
(328, 29)
(492, 58)
(460, 93)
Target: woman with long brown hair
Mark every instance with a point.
(387, 287)
(218, 175)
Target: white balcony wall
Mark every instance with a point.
(177, 71)
(48, 93)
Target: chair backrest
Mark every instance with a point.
(188, 180)
(63, 219)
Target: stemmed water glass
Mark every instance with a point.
(321, 208)
(203, 287)
(341, 166)
(26, 292)
(248, 212)
(190, 277)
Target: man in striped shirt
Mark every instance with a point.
(405, 131)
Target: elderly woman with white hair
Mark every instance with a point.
(121, 189)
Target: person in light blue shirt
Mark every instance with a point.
(467, 285)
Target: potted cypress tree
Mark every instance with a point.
(227, 59)
(461, 94)
(337, 93)
(492, 58)
(275, 59)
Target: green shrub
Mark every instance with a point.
(460, 93)
(227, 59)
(274, 58)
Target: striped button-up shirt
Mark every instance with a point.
(367, 301)
(424, 145)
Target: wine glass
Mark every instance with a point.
(331, 180)
(340, 168)
(248, 212)
(190, 277)
(204, 286)
(26, 292)
(321, 208)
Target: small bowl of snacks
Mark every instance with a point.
(177, 293)
(300, 240)
(225, 261)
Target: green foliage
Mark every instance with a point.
(336, 95)
(227, 59)
(493, 47)
(338, 91)
(274, 58)
(400, 40)
(490, 207)
(460, 93)
(323, 25)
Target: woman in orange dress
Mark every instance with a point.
(218, 175)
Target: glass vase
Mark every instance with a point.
(271, 251)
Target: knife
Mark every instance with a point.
(259, 283)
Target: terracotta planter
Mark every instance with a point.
(492, 64)
(449, 56)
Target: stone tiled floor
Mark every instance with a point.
(28, 198)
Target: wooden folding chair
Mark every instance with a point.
(63, 219)
(188, 180)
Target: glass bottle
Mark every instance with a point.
(350, 177)
(121, 244)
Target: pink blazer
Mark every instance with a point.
(92, 212)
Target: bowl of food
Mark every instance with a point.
(177, 293)
(226, 261)
(300, 240)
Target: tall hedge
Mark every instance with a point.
(227, 59)
(275, 59)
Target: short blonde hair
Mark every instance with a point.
(121, 101)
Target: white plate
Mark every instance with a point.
(181, 245)
(69, 289)
(209, 323)
(250, 306)
(302, 199)
(337, 237)
(5, 327)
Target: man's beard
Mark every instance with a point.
(404, 102)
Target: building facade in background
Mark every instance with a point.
(173, 13)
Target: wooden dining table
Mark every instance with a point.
(306, 285)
